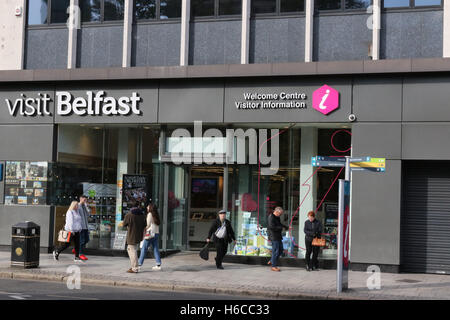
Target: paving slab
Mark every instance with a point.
(186, 272)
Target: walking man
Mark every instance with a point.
(275, 227)
(84, 235)
(135, 221)
(222, 234)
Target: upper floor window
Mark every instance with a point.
(410, 3)
(277, 6)
(101, 10)
(157, 9)
(47, 11)
(215, 8)
(342, 4)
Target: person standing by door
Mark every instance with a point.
(275, 227)
(222, 234)
(313, 229)
(152, 230)
(135, 222)
(73, 225)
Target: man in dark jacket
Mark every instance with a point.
(313, 229)
(275, 227)
(135, 221)
(222, 234)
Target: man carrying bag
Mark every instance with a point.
(223, 234)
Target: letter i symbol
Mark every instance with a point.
(324, 98)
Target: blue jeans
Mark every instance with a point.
(155, 244)
(277, 251)
(84, 239)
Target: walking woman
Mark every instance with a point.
(73, 224)
(152, 233)
(313, 229)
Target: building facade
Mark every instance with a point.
(85, 101)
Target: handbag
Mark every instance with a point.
(204, 253)
(149, 234)
(318, 242)
(64, 236)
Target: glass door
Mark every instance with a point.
(176, 190)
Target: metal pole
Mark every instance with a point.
(347, 168)
(340, 257)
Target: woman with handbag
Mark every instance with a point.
(313, 231)
(72, 231)
(151, 236)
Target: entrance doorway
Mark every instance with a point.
(207, 186)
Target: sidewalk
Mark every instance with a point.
(185, 271)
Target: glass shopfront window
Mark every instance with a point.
(284, 189)
(280, 189)
(92, 161)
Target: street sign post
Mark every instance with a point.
(350, 164)
(343, 235)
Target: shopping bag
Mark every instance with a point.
(64, 236)
(204, 253)
(318, 242)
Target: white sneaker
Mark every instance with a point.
(157, 268)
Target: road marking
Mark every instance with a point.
(71, 297)
(19, 296)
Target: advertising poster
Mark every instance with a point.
(135, 188)
(26, 183)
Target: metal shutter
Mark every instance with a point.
(425, 218)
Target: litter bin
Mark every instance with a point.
(25, 245)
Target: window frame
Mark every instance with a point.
(157, 14)
(341, 10)
(412, 6)
(278, 12)
(102, 17)
(49, 17)
(48, 24)
(216, 14)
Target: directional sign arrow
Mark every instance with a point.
(368, 169)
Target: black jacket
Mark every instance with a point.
(275, 227)
(312, 229)
(229, 236)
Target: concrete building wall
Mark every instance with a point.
(11, 215)
(217, 42)
(46, 48)
(156, 45)
(12, 33)
(416, 34)
(100, 46)
(277, 40)
(341, 37)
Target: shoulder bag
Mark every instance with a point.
(64, 236)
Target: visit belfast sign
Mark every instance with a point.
(92, 104)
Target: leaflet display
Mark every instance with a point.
(26, 183)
